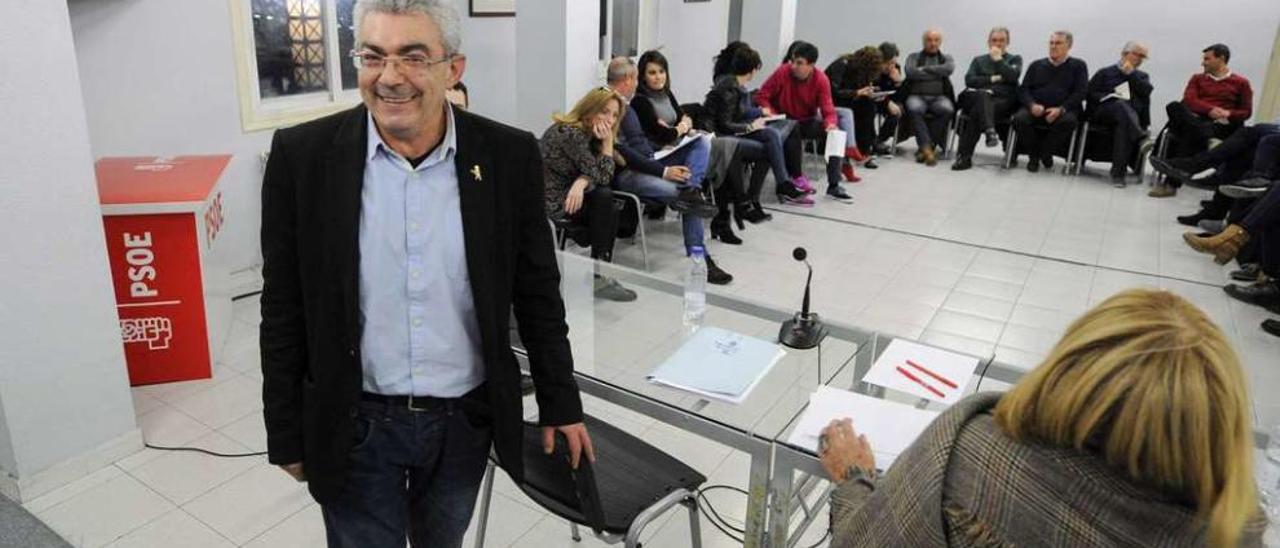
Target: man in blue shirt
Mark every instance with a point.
(398, 238)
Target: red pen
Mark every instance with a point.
(926, 386)
(940, 378)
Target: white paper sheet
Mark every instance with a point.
(1122, 91)
(936, 368)
(890, 426)
(836, 141)
(688, 138)
(719, 364)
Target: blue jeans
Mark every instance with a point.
(411, 474)
(772, 136)
(656, 188)
(696, 156)
(844, 121)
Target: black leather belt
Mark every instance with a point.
(422, 403)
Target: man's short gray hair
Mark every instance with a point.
(930, 30)
(1004, 30)
(1133, 45)
(620, 68)
(1066, 35)
(441, 12)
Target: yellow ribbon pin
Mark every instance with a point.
(475, 172)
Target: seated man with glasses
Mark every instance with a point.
(1120, 98)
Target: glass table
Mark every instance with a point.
(617, 345)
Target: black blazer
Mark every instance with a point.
(311, 326)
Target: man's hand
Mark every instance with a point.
(756, 125)
(894, 109)
(1037, 110)
(579, 442)
(996, 53)
(767, 111)
(294, 470)
(895, 74)
(678, 174)
(865, 91)
(996, 78)
(1051, 115)
(1126, 67)
(842, 449)
(1218, 113)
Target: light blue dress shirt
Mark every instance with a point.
(420, 334)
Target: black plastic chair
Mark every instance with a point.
(901, 133)
(629, 486)
(1068, 156)
(1100, 137)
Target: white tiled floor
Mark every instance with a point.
(982, 261)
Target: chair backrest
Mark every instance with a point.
(576, 489)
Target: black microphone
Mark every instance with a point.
(805, 330)
(800, 254)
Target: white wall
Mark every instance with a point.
(690, 36)
(1175, 31)
(63, 384)
(557, 58)
(157, 82)
(768, 25)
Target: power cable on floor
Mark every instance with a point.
(206, 451)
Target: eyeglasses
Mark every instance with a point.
(413, 62)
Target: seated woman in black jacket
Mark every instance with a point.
(733, 113)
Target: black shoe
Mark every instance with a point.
(1262, 293)
(755, 214)
(721, 230)
(1032, 165)
(1247, 273)
(717, 275)
(1117, 180)
(837, 192)
(1205, 203)
(870, 163)
(1250, 187)
(1192, 220)
(1178, 169)
(1047, 161)
(962, 163)
(882, 149)
(1271, 326)
(993, 138)
(690, 201)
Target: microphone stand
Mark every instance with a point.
(805, 330)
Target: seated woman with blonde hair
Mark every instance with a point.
(1133, 432)
(578, 161)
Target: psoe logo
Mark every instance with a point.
(213, 219)
(155, 331)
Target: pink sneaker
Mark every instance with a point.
(804, 185)
(800, 201)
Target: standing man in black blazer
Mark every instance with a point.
(397, 237)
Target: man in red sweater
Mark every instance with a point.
(1215, 104)
(803, 94)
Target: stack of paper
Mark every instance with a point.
(718, 364)
(688, 138)
(890, 427)
(923, 371)
(836, 141)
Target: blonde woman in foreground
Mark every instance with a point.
(1133, 432)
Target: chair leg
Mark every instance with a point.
(1012, 143)
(1067, 168)
(486, 490)
(574, 533)
(1084, 141)
(695, 523)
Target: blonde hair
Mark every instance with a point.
(1149, 382)
(589, 106)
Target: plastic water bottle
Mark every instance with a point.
(695, 290)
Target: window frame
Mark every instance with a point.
(258, 114)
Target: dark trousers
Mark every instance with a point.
(1126, 132)
(1266, 158)
(1191, 133)
(1028, 128)
(753, 154)
(412, 474)
(864, 122)
(814, 128)
(982, 109)
(929, 116)
(1262, 222)
(600, 216)
(776, 146)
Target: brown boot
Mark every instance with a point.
(930, 156)
(1223, 246)
(1163, 191)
